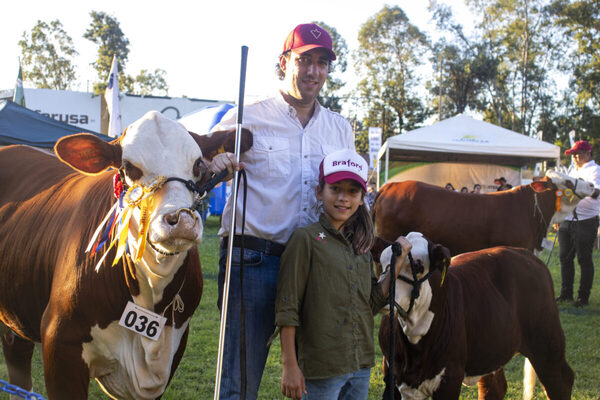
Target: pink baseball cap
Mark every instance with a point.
(306, 37)
(580, 146)
(344, 164)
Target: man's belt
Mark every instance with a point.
(266, 247)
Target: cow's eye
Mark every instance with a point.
(200, 169)
(131, 171)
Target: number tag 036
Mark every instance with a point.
(142, 321)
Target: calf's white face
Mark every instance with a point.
(420, 318)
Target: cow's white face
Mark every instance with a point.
(572, 191)
(420, 318)
(156, 146)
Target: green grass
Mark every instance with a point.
(195, 376)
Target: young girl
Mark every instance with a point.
(327, 293)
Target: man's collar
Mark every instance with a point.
(291, 110)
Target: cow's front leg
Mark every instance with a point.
(17, 355)
(450, 386)
(66, 374)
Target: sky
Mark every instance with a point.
(198, 43)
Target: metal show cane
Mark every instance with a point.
(224, 304)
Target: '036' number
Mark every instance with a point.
(142, 326)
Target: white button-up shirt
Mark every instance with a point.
(587, 208)
(282, 167)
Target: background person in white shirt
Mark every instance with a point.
(292, 133)
(577, 234)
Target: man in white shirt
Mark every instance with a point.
(577, 234)
(292, 133)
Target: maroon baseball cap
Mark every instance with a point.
(580, 146)
(306, 37)
(344, 164)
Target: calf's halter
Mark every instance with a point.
(416, 268)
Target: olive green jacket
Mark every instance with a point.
(330, 295)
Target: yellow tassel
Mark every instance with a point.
(145, 211)
(443, 275)
(122, 234)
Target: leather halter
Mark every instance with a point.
(199, 192)
(415, 282)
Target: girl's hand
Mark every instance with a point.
(292, 382)
(406, 247)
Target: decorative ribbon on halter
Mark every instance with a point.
(559, 195)
(116, 222)
(568, 193)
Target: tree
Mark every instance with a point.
(457, 84)
(581, 21)
(329, 96)
(390, 49)
(147, 83)
(48, 54)
(520, 35)
(106, 32)
(461, 67)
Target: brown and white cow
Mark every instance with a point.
(50, 291)
(466, 222)
(470, 321)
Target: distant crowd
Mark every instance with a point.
(499, 182)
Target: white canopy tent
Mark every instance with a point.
(466, 141)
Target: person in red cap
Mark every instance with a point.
(327, 293)
(292, 133)
(577, 234)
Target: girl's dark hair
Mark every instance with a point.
(358, 229)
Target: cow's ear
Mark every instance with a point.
(439, 257)
(222, 141)
(538, 186)
(87, 153)
(379, 245)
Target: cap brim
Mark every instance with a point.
(575, 151)
(340, 176)
(305, 48)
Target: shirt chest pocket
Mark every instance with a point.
(274, 155)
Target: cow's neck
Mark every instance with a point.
(420, 318)
(154, 273)
(544, 213)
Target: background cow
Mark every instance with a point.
(466, 222)
(50, 291)
(489, 305)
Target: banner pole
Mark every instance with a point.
(225, 301)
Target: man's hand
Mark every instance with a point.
(292, 381)
(225, 161)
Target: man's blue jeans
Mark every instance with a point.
(352, 386)
(260, 288)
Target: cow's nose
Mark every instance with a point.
(173, 217)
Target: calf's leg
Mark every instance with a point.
(555, 375)
(492, 386)
(17, 355)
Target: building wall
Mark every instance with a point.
(88, 111)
